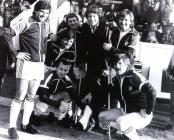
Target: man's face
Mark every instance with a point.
(72, 22)
(156, 6)
(6, 4)
(93, 19)
(100, 12)
(84, 9)
(62, 70)
(125, 23)
(120, 67)
(67, 43)
(42, 15)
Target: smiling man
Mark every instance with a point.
(124, 37)
(30, 65)
(136, 97)
(55, 94)
(62, 47)
(90, 51)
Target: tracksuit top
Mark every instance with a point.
(32, 37)
(52, 85)
(126, 44)
(134, 92)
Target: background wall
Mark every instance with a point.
(157, 57)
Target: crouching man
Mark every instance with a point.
(136, 97)
(55, 94)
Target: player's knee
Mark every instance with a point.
(40, 108)
(102, 115)
(18, 100)
(20, 95)
(30, 98)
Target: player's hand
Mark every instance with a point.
(107, 46)
(53, 37)
(87, 98)
(105, 73)
(63, 106)
(24, 56)
(12, 66)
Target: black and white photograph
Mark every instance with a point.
(87, 69)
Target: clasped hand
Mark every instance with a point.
(87, 98)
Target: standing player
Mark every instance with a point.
(30, 65)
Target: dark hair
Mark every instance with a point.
(42, 4)
(93, 9)
(126, 12)
(63, 61)
(65, 33)
(6, 2)
(71, 15)
(117, 57)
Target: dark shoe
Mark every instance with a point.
(51, 118)
(29, 129)
(12, 132)
(99, 130)
(120, 137)
(78, 126)
(67, 122)
(35, 120)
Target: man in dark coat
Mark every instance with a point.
(124, 37)
(7, 55)
(91, 52)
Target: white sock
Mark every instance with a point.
(28, 108)
(86, 116)
(14, 112)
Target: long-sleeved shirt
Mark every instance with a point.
(32, 37)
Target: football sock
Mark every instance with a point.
(28, 108)
(14, 112)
